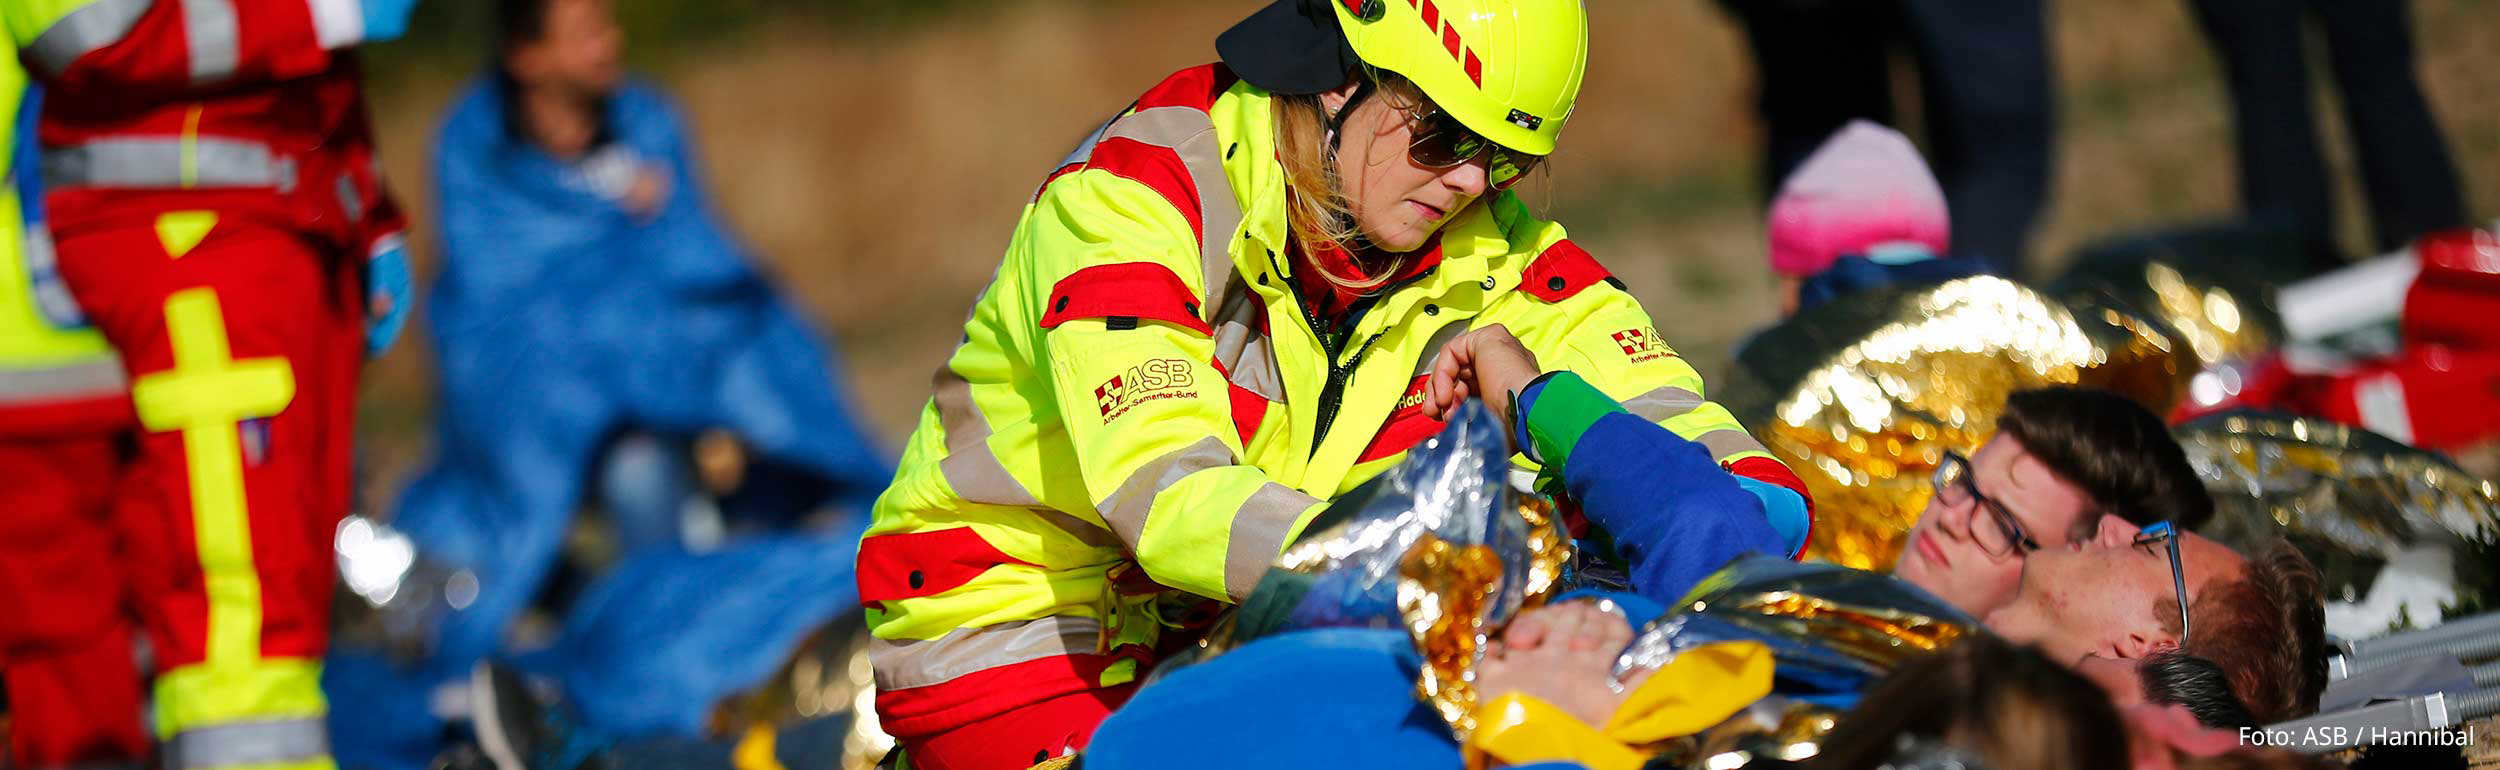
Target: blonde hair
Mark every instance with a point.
(1316, 209)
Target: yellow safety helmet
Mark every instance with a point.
(1508, 69)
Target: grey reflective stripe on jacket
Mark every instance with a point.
(907, 663)
(215, 37)
(84, 31)
(84, 379)
(166, 162)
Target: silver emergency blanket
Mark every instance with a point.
(1439, 546)
(2396, 531)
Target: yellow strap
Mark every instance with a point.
(1699, 688)
(1520, 729)
(755, 750)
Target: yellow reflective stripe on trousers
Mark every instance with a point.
(211, 696)
(204, 396)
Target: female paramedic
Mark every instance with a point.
(1216, 314)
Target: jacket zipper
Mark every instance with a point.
(1333, 343)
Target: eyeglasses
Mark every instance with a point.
(2164, 532)
(1440, 141)
(1954, 485)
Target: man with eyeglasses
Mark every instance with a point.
(2067, 464)
(2139, 597)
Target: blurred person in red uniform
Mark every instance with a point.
(219, 219)
(73, 688)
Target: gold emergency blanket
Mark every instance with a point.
(1878, 386)
(1862, 396)
(1445, 592)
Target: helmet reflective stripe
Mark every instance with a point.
(1508, 69)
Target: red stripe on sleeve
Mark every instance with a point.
(1131, 289)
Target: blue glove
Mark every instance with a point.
(386, 294)
(386, 20)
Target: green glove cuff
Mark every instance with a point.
(1563, 409)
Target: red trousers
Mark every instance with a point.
(65, 629)
(1021, 737)
(242, 343)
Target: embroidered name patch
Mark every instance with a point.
(1153, 380)
(1642, 344)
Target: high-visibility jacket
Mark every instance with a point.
(1141, 413)
(247, 108)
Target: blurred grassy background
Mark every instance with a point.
(875, 154)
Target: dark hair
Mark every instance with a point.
(2266, 630)
(2010, 705)
(519, 22)
(2197, 684)
(2119, 453)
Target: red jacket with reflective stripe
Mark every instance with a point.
(186, 92)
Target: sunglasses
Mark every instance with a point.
(2162, 531)
(1440, 141)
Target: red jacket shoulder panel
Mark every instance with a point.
(1142, 290)
(1196, 88)
(1561, 271)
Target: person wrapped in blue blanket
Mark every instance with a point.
(588, 292)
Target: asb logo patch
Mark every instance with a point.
(1153, 380)
(1642, 344)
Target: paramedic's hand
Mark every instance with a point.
(386, 294)
(1487, 363)
(386, 20)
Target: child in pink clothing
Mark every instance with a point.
(1865, 193)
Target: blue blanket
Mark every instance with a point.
(563, 317)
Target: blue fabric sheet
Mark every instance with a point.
(561, 320)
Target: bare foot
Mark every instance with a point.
(1562, 654)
